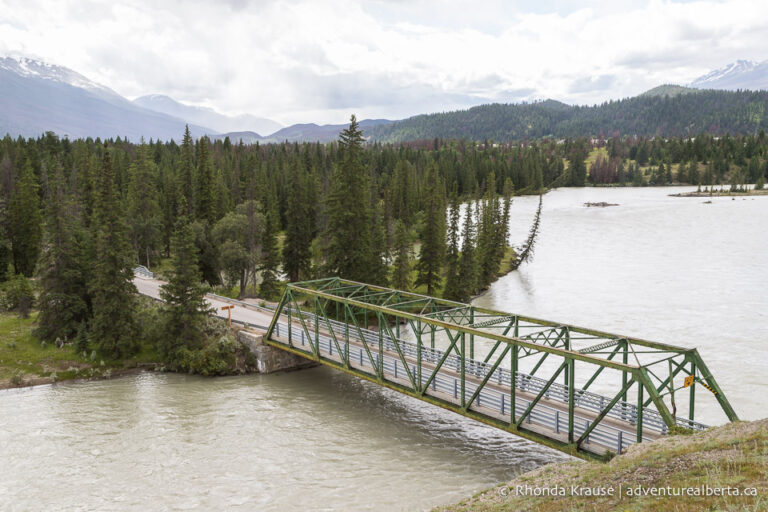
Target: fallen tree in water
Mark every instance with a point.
(525, 251)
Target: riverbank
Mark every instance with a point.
(722, 193)
(26, 361)
(733, 457)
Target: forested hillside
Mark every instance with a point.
(77, 216)
(714, 112)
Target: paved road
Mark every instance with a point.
(151, 288)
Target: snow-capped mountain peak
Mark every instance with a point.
(741, 74)
(32, 68)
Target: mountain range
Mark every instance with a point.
(36, 97)
(207, 116)
(742, 74)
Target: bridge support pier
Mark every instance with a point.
(270, 359)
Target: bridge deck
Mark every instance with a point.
(487, 388)
(548, 418)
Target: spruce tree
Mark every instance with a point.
(185, 307)
(379, 250)
(467, 263)
(111, 284)
(143, 208)
(187, 169)
(5, 244)
(489, 233)
(270, 256)
(349, 248)
(65, 267)
(401, 269)
(452, 289)
(82, 344)
(25, 222)
(297, 256)
(206, 195)
(433, 234)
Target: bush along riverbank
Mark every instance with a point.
(25, 360)
(722, 468)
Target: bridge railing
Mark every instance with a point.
(142, 271)
(638, 395)
(496, 400)
(623, 410)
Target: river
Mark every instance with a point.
(663, 268)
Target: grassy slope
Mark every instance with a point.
(23, 356)
(734, 455)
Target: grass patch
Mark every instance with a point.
(592, 156)
(22, 353)
(734, 455)
(24, 359)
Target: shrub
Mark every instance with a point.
(18, 295)
(760, 183)
(216, 358)
(18, 378)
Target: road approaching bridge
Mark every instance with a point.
(498, 368)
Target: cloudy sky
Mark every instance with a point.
(320, 60)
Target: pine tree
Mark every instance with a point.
(111, 284)
(64, 297)
(349, 248)
(185, 307)
(452, 289)
(433, 234)
(25, 223)
(401, 269)
(298, 230)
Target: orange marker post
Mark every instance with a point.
(229, 311)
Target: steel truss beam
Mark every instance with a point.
(463, 324)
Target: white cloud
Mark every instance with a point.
(310, 60)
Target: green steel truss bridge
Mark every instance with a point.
(585, 392)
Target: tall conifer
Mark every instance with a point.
(433, 233)
(185, 307)
(349, 248)
(111, 284)
(25, 222)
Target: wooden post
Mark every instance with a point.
(229, 313)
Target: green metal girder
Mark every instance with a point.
(605, 411)
(468, 330)
(569, 449)
(490, 312)
(425, 314)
